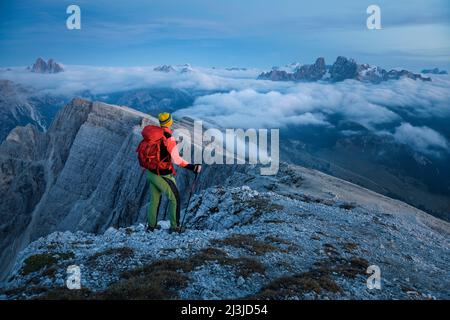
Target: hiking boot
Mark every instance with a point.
(175, 230)
(151, 229)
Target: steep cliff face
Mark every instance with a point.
(15, 108)
(30, 163)
(80, 175)
(20, 105)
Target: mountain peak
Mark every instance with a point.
(164, 68)
(342, 69)
(51, 66)
(434, 71)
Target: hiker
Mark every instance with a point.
(156, 152)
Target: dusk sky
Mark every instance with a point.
(248, 33)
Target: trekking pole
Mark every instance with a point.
(189, 200)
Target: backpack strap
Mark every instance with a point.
(167, 135)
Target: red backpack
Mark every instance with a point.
(149, 150)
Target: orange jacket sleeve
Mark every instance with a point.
(171, 145)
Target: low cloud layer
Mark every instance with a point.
(104, 80)
(422, 139)
(235, 99)
(314, 103)
(306, 104)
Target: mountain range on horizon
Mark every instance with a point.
(343, 68)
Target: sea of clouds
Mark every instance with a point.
(236, 99)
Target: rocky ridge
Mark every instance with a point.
(342, 69)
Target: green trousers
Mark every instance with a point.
(163, 185)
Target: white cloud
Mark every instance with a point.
(304, 104)
(422, 139)
(246, 102)
(100, 80)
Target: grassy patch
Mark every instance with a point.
(348, 268)
(310, 199)
(289, 246)
(247, 242)
(121, 253)
(157, 285)
(274, 221)
(30, 290)
(297, 285)
(263, 205)
(168, 250)
(349, 246)
(248, 266)
(81, 244)
(63, 293)
(50, 271)
(275, 239)
(245, 266)
(53, 246)
(163, 279)
(347, 206)
(330, 250)
(321, 278)
(260, 204)
(40, 261)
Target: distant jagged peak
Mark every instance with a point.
(342, 69)
(186, 68)
(181, 68)
(51, 66)
(434, 71)
(164, 68)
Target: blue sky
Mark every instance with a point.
(255, 33)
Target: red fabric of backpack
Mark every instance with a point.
(149, 150)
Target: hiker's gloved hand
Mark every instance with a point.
(197, 168)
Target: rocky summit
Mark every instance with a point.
(75, 196)
(51, 66)
(164, 68)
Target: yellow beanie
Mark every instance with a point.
(165, 119)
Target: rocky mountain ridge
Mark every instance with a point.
(81, 174)
(51, 66)
(20, 105)
(342, 69)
